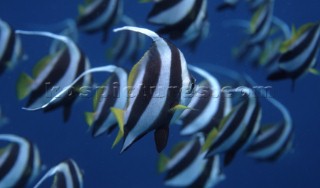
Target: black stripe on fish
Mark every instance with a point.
(244, 137)
(8, 50)
(111, 99)
(11, 160)
(68, 99)
(162, 6)
(176, 31)
(24, 179)
(240, 114)
(293, 53)
(73, 174)
(60, 180)
(173, 96)
(201, 104)
(268, 141)
(281, 150)
(53, 77)
(94, 14)
(185, 161)
(150, 79)
(203, 178)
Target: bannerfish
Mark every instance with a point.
(298, 54)
(67, 174)
(53, 73)
(19, 162)
(185, 20)
(99, 16)
(227, 4)
(186, 166)
(160, 88)
(110, 94)
(238, 129)
(210, 103)
(10, 47)
(126, 45)
(273, 140)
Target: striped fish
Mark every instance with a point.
(274, 140)
(99, 15)
(261, 23)
(299, 53)
(187, 167)
(238, 129)
(186, 20)
(108, 95)
(19, 162)
(10, 47)
(67, 174)
(210, 108)
(227, 4)
(126, 45)
(160, 88)
(53, 73)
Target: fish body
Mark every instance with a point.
(20, 162)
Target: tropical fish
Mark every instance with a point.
(238, 129)
(3, 119)
(51, 74)
(210, 103)
(273, 140)
(227, 4)
(20, 162)
(187, 167)
(66, 174)
(261, 22)
(110, 94)
(10, 47)
(99, 16)
(126, 45)
(160, 88)
(186, 20)
(298, 54)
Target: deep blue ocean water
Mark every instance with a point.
(136, 167)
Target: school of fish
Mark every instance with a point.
(160, 89)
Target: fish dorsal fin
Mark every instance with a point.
(162, 163)
(161, 136)
(254, 19)
(23, 86)
(295, 35)
(89, 118)
(119, 114)
(40, 66)
(176, 148)
(209, 140)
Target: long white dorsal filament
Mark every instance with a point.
(45, 34)
(51, 172)
(144, 31)
(108, 68)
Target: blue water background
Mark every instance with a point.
(136, 167)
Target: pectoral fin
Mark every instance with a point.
(161, 136)
(180, 107)
(211, 136)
